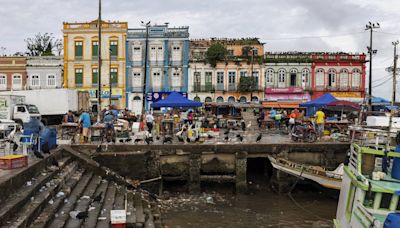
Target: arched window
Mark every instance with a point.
(208, 99)
(320, 78)
(281, 78)
(344, 78)
(293, 77)
(3, 82)
(220, 99)
(243, 99)
(305, 78)
(196, 98)
(137, 98)
(231, 99)
(356, 78)
(269, 77)
(17, 81)
(332, 78)
(254, 99)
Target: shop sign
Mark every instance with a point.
(347, 94)
(154, 97)
(284, 90)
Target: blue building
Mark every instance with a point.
(167, 64)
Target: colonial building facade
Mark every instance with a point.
(44, 72)
(167, 64)
(81, 59)
(287, 79)
(221, 83)
(341, 74)
(13, 73)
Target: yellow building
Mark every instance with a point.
(81, 59)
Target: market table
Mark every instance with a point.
(70, 130)
(341, 125)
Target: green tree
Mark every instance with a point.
(216, 52)
(246, 84)
(43, 44)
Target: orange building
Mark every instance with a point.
(12, 73)
(222, 82)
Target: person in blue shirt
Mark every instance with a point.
(272, 114)
(84, 120)
(109, 119)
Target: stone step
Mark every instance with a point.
(104, 217)
(131, 214)
(91, 221)
(69, 203)
(49, 212)
(119, 203)
(23, 194)
(84, 202)
(140, 218)
(31, 210)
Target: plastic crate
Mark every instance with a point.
(13, 161)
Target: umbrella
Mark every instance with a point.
(341, 105)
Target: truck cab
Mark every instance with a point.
(24, 112)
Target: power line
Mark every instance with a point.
(382, 83)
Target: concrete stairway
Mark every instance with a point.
(249, 117)
(54, 192)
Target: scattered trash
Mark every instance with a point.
(85, 197)
(60, 194)
(32, 198)
(51, 202)
(210, 200)
(91, 208)
(29, 183)
(101, 218)
(66, 201)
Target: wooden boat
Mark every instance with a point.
(327, 179)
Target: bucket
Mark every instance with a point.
(392, 220)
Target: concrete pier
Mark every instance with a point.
(194, 164)
(241, 172)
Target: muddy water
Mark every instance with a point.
(260, 208)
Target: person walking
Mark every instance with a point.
(320, 121)
(149, 122)
(84, 121)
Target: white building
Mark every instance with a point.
(44, 72)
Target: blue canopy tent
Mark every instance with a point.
(176, 100)
(380, 104)
(313, 105)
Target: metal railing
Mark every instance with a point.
(203, 88)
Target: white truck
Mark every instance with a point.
(13, 107)
(52, 104)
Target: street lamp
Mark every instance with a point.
(370, 26)
(147, 24)
(109, 69)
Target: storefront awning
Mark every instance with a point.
(272, 104)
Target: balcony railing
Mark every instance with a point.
(231, 87)
(220, 87)
(135, 89)
(203, 88)
(337, 88)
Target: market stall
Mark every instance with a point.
(313, 105)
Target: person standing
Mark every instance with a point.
(149, 122)
(69, 117)
(320, 121)
(84, 120)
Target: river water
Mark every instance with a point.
(262, 207)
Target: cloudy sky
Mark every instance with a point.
(284, 25)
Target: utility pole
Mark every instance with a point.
(99, 67)
(395, 43)
(109, 70)
(370, 26)
(145, 66)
